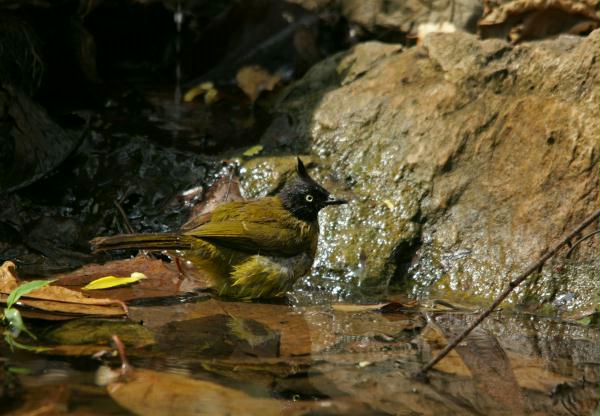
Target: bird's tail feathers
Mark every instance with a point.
(156, 241)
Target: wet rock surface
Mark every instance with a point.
(466, 159)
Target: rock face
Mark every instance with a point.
(388, 19)
(465, 160)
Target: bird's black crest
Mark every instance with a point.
(303, 196)
(301, 170)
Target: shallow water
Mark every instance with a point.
(311, 359)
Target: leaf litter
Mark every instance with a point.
(57, 299)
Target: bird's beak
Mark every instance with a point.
(332, 200)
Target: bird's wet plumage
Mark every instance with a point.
(250, 249)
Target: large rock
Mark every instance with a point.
(466, 159)
(394, 19)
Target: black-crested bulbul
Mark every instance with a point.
(250, 249)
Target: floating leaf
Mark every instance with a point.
(113, 281)
(253, 151)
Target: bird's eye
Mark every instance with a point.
(309, 198)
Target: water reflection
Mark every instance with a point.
(314, 355)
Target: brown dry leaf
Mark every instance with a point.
(537, 19)
(59, 299)
(146, 392)
(163, 279)
(254, 79)
(385, 307)
(225, 189)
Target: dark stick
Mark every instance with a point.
(511, 286)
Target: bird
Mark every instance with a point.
(249, 249)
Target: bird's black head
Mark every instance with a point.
(304, 197)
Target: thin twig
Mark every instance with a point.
(231, 172)
(511, 286)
(125, 366)
(126, 222)
(576, 243)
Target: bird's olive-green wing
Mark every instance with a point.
(252, 237)
(196, 221)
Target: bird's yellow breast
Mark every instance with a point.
(259, 265)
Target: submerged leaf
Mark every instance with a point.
(385, 307)
(98, 331)
(146, 392)
(113, 281)
(15, 323)
(13, 343)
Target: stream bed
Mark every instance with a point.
(305, 360)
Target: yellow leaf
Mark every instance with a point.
(211, 96)
(113, 281)
(253, 151)
(206, 89)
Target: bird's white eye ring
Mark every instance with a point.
(309, 198)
